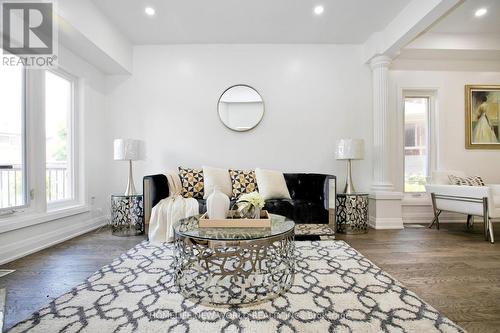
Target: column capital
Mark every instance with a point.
(380, 61)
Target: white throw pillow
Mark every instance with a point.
(271, 184)
(216, 177)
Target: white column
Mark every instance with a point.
(385, 204)
(381, 157)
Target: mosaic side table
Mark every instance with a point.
(352, 213)
(127, 215)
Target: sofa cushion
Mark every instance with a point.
(271, 184)
(192, 182)
(242, 182)
(213, 177)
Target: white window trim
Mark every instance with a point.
(432, 93)
(37, 210)
(35, 141)
(74, 140)
(29, 219)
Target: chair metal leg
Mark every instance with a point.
(435, 220)
(470, 221)
(488, 230)
(437, 212)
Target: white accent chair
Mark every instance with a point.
(483, 201)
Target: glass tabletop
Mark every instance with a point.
(188, 227)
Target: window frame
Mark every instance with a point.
(34, 155)
(432, 138)
(25, 161)
(73, 146)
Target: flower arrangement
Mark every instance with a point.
(249, 205)
(254, 198)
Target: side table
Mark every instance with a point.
(352, 213)
(127, 215)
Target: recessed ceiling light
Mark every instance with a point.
(481, 12)
(318, 10)
(149, 11)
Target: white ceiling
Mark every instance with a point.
(462, 20)
(250, 21)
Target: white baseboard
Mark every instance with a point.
(24, 247)
(385, 223)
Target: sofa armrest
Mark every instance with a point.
(330, 192)
(328, 195)
(331, 202)
(155, 188)
(459, 190)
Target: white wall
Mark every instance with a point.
(313, 94)
(19, 242)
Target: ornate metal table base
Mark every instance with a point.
(352, 213)
(127, 217)
(225, 273)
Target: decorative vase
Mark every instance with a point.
(256, 212)
(246, 210)
(217, 204)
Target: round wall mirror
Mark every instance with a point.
(240, 108)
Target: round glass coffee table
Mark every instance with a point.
(234, 266)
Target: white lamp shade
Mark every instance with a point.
(350, 149)
(127, 149)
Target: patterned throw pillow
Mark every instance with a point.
(466, 181)
(192, 182)
(242, 181)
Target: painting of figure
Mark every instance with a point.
(482, 114)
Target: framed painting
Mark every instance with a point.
(482, 114)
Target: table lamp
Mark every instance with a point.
(127, 150)
(350, 149)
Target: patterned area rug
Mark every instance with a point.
(313, 232)
(314, 229)
(336, 289)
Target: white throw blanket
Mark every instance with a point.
(170, 210)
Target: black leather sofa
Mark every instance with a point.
(309, 197)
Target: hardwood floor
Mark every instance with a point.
(45, 275)
(453, 269)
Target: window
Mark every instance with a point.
(416, 142)
(38, 164)
(12, 138)
(59, 137)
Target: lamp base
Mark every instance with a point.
(349, 187)
(130, 184)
